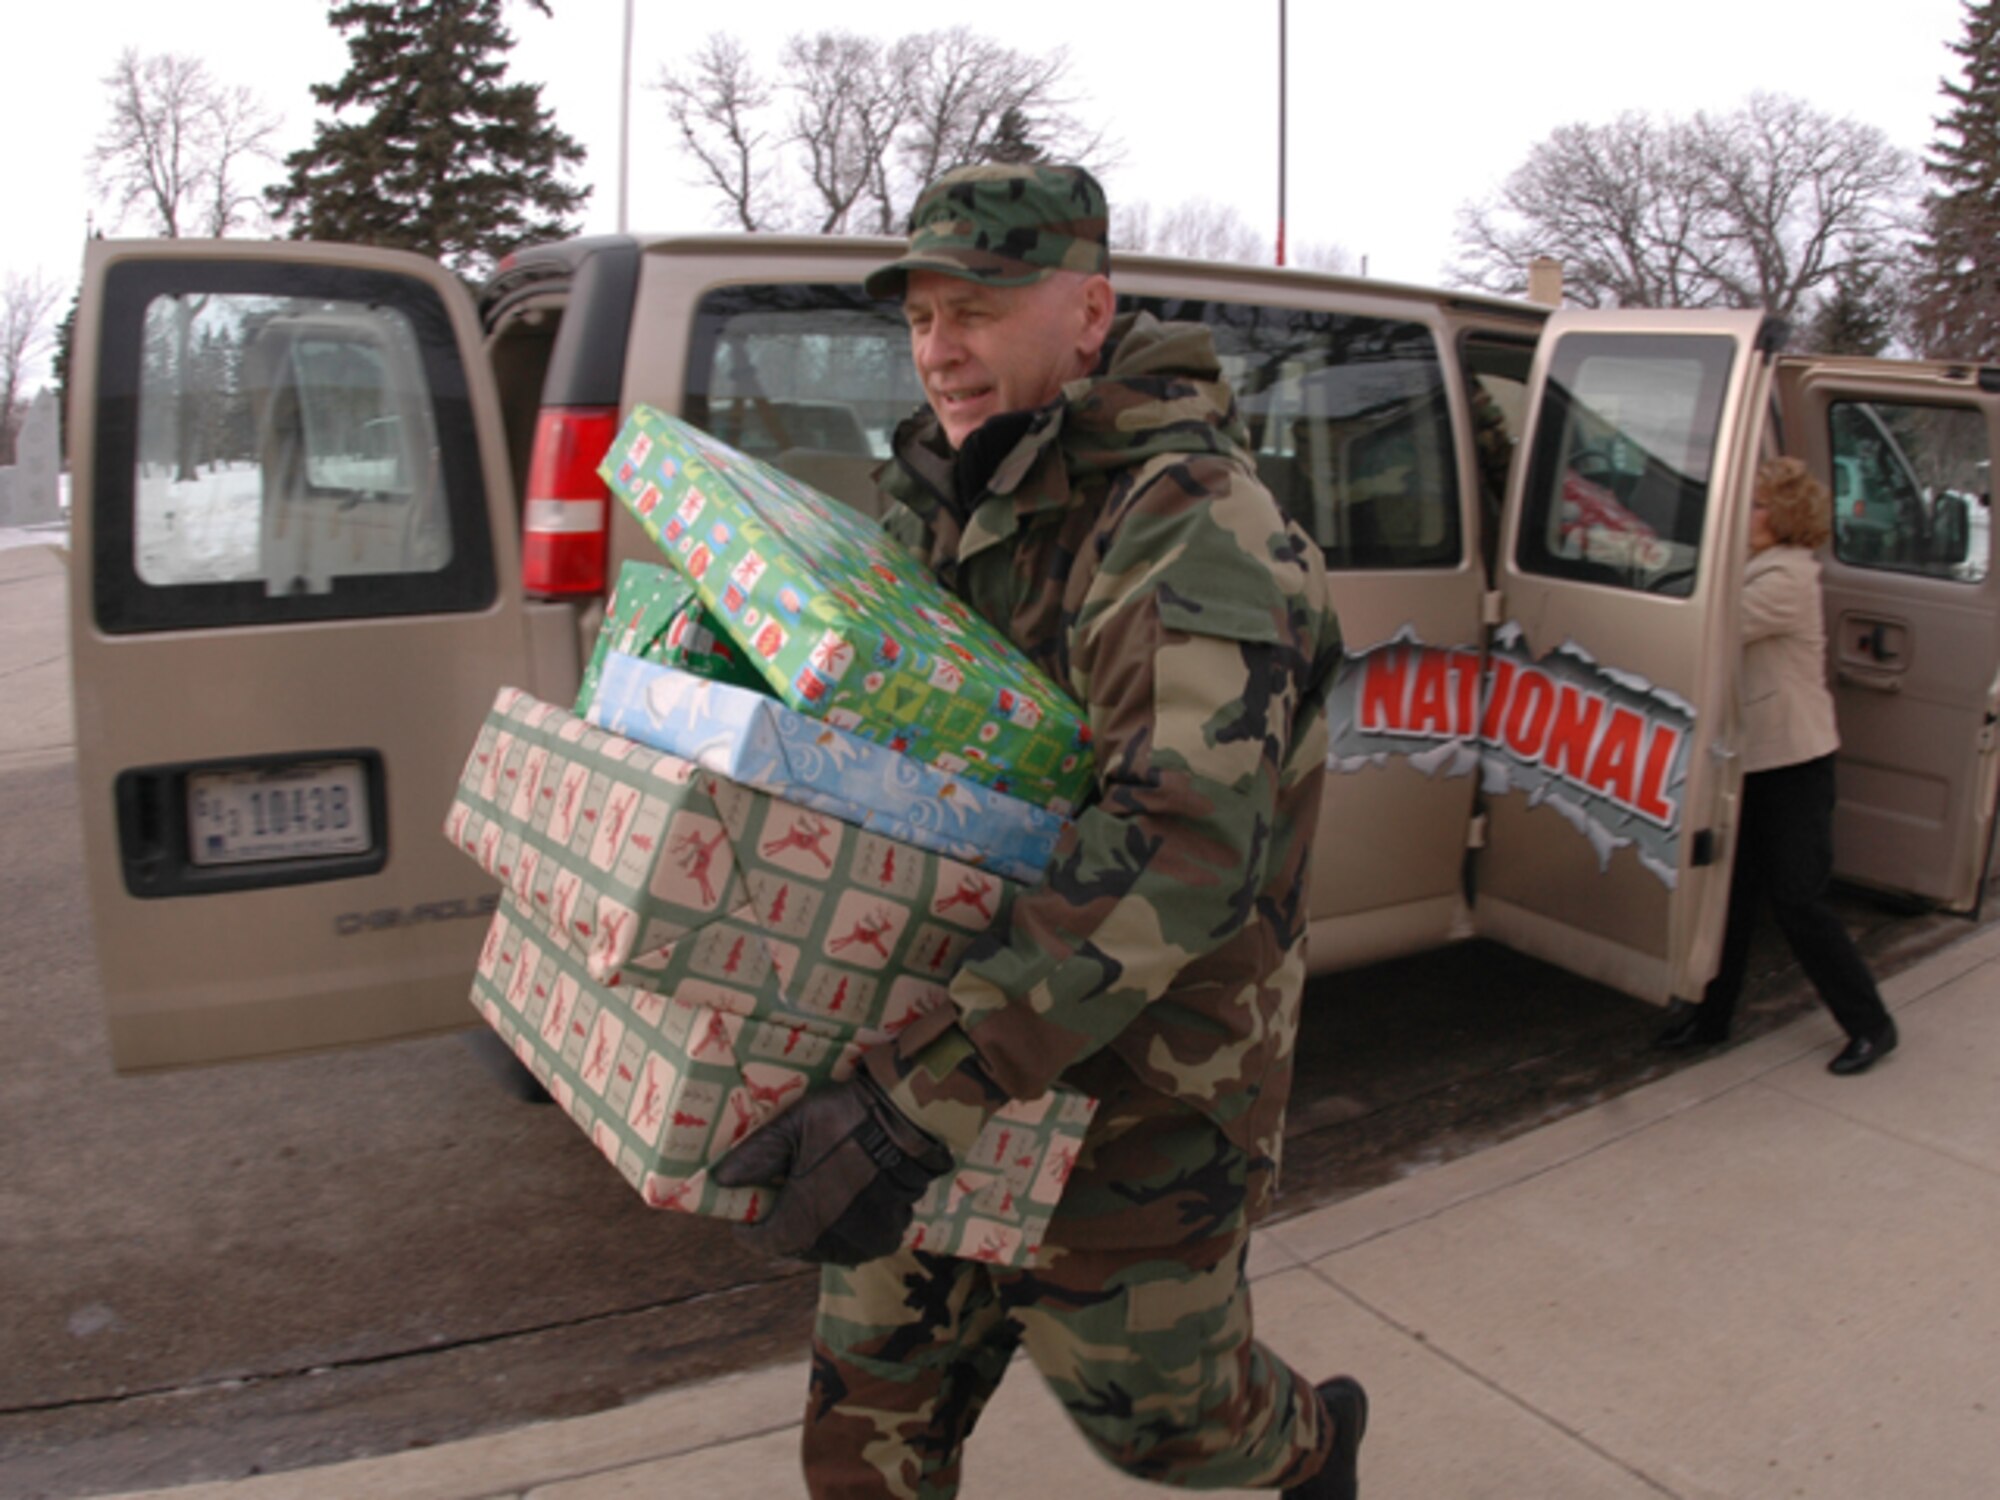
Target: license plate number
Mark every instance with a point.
(290, 812)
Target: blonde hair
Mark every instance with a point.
(1797, 506)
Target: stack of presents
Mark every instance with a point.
(799, 781)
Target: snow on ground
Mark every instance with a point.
(203, 530)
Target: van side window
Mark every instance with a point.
(283, 457)
(1497, 392)
(812, 379)
(1349, 423)
(1347, 415)
(1618, 484)
(1911, 488)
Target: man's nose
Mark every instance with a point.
(937, 347)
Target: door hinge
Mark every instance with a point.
(1475, 832)
(1491, 605)
(1986, 737)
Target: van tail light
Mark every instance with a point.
(567, 519)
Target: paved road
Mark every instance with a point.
(293, 1262)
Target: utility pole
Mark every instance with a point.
(625, 122)
(1281, 132)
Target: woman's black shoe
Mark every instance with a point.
(1863, 1052)
(1689, 1027)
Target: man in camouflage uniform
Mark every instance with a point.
(1081, 479)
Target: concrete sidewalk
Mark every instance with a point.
(37, 727)
(1750, 1279)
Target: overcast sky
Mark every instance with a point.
(1398, 113)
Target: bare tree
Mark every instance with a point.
(1617, 204)
(1204, 230)
(868, 123)
(1197, 228)
(1324, 255)
(1762, 207)
(178, 145)
(1800, 198)
(849, 103)
(715, 105)
(964, 88)
(27, 303)
(176, 149)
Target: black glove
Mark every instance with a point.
(848, 1166)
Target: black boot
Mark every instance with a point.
(1347, 1408)
(1690, 1026)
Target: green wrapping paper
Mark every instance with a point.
(841, 623)
(655, 615)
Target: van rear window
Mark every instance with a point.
(282, 443)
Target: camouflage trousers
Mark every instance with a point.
(1149, 1348)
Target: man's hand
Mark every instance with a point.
(848, 1167)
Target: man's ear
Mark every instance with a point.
(1100, 306)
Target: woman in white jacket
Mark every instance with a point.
(1784, 843)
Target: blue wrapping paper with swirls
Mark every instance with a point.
(757, 741)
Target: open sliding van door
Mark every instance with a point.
(1912, 613)
(1608, 713)
(1356, 415)
(294, 591)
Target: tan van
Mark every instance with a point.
(328, 503)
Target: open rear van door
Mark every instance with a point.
(1912, 613)
(294, 592)
(1608, 715)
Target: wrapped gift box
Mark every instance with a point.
(664, 1087)
(655, 616)
(841, 622)
(756, 741)
(662, 875)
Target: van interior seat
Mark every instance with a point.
(848, 477)
(761, 426)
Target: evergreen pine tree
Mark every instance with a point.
(59, 367)
(1857, 317)
(1011, 143)
(429, 148)
(1956, 312)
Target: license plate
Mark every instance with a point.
(289, 812)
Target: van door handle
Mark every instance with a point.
(1876, 642)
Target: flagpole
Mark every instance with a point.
(625, 123)
(1281, 132)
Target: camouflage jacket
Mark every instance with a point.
(1126, 545)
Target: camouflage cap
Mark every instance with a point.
(1005, 225)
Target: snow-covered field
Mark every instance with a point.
(211, 529)
(54, 533)
(203, 530)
